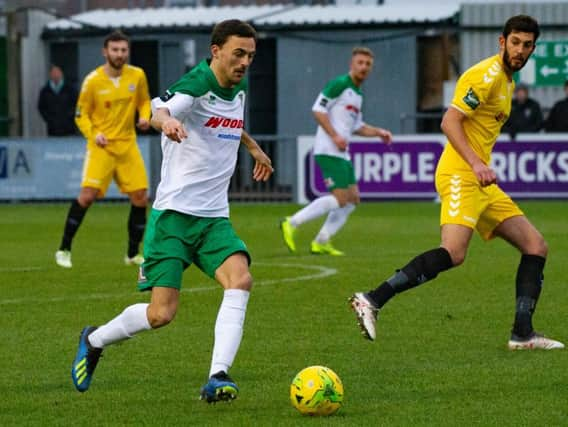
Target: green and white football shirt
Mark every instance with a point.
(196, 173)
(342, 101)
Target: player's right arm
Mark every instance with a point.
(85, 106)
(452, 126)
(168, 112)
(323, 120)
(472, 91)
(320, 109)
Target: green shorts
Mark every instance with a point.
(337, 172)
(174, 241)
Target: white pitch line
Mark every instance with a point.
(320, 272)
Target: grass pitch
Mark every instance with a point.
(440, 357)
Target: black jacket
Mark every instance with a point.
(58, 109)
(557, 120)
(525, 117)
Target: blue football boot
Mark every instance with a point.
(220, 387)
(85, 362)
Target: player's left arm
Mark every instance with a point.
(143, 103)
(263, 165)
(367, 130)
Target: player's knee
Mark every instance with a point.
(457, 256)
(242, 281)
(342, 199)
(139, 198)
(160, 316)
(86, 200)
(537, 247)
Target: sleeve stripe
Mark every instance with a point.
(460, 110)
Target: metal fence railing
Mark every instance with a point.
(279, 188)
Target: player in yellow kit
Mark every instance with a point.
(109, 99)
(471, 199)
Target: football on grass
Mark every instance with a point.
(316, 390)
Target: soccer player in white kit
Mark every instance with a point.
(201, 119)
(337, 111)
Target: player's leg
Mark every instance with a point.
(335, 220)
(421, 269)
(73, 221)
(332, 171)
(134, 319)
(461, 203)
(167, 256)
(136, 226)
(523, 235)
(131, 178)
(236, 280)
(97, 174)
(223, 255)
(316, 208)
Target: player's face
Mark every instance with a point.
(361, 66)
(516, 49)
(116, 53)
(234, 57)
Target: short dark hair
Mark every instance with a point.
(523, 24)
(116, 36)
(359, 50)
(231, 27)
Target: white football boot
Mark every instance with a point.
(135, 260)
(63, 259)
(537, 341)
(366, 314)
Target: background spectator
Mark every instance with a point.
(557, 120)
(526, 115)
(56, 104)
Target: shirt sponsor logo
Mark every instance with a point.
(352, 108)
(229, 136)
(323, 102)
(471, 99)
(215, 122)
(132, 87)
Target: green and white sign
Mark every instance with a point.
(548, 65)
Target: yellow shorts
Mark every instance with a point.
(127, 169)
(465, 202)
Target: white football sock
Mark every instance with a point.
(131, 321)
(316, 208)
(229, 329)
(334, 222)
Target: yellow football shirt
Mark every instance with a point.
(483, 93)
(108, 106)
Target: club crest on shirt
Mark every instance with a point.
(471, 99)
(132, 87)
(211, 100)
